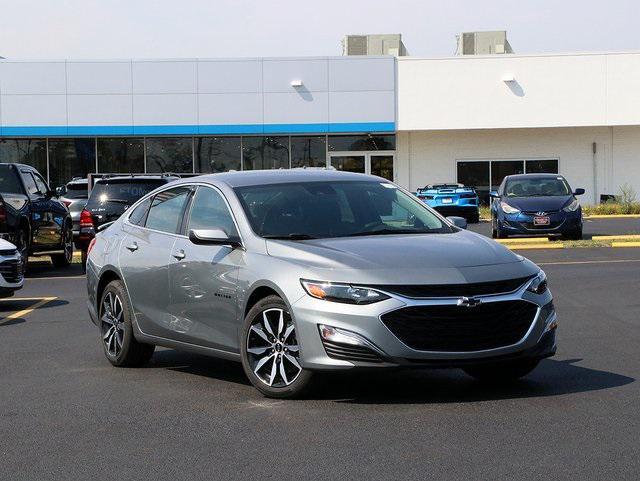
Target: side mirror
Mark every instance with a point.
(578, 192)
(459, 222)
(213, 237)
(59, 191)
(494, 194)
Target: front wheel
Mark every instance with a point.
(270, 351)
(502, 371)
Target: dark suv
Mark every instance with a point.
(109, 198)
(31, 217)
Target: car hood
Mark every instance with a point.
(538, 204)
(6, 245)
(458, 257)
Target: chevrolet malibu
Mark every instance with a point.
(296, 272)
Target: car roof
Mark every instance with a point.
(121, 178)
(280, 176)
(533, 176)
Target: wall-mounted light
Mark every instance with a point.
(296, 83)
(508, 78)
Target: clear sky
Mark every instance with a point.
(245, 28)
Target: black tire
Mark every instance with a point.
(23, 245)
(474, 218)
(496, 232)
(121, 350)
(65, 260)
(303, 380)
(503, 371)
(83, 258)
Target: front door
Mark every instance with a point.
(46, 220)
(378, 164)
(202, 278)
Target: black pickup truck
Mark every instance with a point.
(31, 217)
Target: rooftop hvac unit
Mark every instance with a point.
(483, 43)
(355, 45)
(384, 44)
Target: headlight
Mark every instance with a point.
(507, 209)
(572, 207)
(538, 284)
(344, 293)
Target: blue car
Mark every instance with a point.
(452, 199)
(536, 204)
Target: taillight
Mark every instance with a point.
(93, 241)
(86, 219)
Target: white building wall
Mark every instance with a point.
(430, 156)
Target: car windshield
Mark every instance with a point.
(122, 191)
(312, 210)
(537, 187)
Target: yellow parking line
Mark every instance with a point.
(625, 244)
(616, 237)
(534, 246)
(523, 240)
(41, 302)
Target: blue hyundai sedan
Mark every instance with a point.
(536, 204)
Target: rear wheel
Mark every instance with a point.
(65, 259)
(270, 351)
(116, 331)
(21, 242)
(503, 371)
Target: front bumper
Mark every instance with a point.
(11, 274)
(366, 321)
(523, 223)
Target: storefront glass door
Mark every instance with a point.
(381, 165)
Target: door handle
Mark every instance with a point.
(133, 247)
(180, 255)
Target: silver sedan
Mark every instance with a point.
(295, 272)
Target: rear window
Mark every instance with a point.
(122, 191)
(9, 182)
(76, 191)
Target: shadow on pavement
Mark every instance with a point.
(46, 269)
(551, 378)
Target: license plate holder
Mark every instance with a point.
(541, 220)
(447, 200)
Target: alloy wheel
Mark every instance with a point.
(112, 320)
(272, 348)
(68, 245)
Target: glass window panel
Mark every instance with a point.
(265, 153)
(166, 209)
(139, 214)
(546, 166)
(501, 168)
(344, 143)
(210, 211)
(169, 154)
(217, 154)
(43, 188)
(348, 163)
(309, 151)
(475, 174)
(69, 158)
(29, 183)
(31, 152)
(382, 166)
(121, 155)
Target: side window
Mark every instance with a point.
(210, 211)
(139, 214)
(42, 185)
(30, 183)
(166, 210)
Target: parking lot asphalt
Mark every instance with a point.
(66, 414)
(596, 226)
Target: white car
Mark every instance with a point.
(11, 269)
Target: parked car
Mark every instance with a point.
(11, 269)
(294, 272)
(74, 195)
(110, 197)
(535, 204)
(31, 217)
(452, 199)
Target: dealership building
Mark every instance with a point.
(471, 119)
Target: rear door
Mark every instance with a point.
(202, 278)
(46, 222)
(145, 256)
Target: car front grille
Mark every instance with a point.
(12, 270)
(452, 328)
(454, 290)
(350, 353)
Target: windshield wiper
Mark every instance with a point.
(292, 236)
(390, 231)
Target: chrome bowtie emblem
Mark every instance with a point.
(469, 301)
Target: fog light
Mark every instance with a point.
(340, 336)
